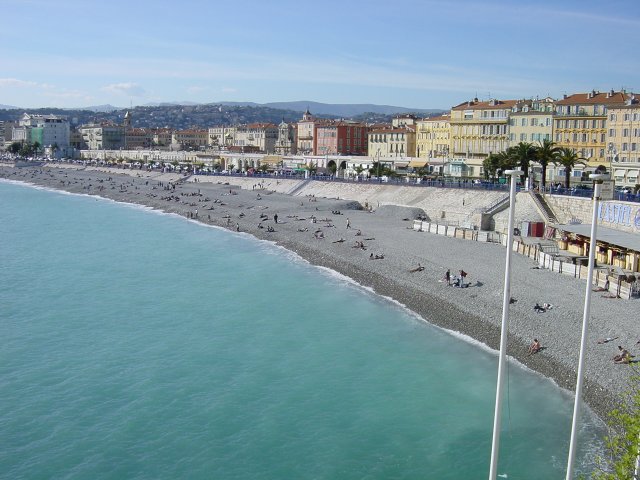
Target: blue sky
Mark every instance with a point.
(413, 53)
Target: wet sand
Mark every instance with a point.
(474, 311)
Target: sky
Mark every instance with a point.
(412, 53)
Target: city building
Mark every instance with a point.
(392, 143)
(433, 141)
(623, 143)
(138, 138)
(580, 124)
(260, 137)
(51, 132)
(406, 120)
(103, 136)
(161, 137)
(286, 141)
(532, 122)
(222, 136)
(189, 139)
(306, 131)
(477, 130)
(340, 137)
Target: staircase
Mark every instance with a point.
(299, 187)
(543, 208)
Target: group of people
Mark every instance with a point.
(456, 280)
(541, 309)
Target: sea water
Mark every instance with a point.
(141, 345)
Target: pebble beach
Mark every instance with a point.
(378, 248)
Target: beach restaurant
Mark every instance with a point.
(618, 237)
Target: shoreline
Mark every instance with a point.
(474, 311)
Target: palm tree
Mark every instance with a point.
(546, 153)
(524, 153)
(568, 158)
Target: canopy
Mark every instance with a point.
(417, 163)
(619, 173)
(632, 173)
(613, 237)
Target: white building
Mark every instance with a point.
(50, 131)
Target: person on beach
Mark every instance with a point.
(237, 227)
(623, 355)
(275, 218)
(538, 309)
(348, 224)
(419, 268)
(447, 277)
(607, 340)
(534, 347)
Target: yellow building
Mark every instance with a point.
(433, 141)
(623, 143)
(581, 124)
(392, 143)
(222, 136)
(477, 130)
(190, 138)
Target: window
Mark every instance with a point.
(625, 147)
(625, 132)
(612, 117)
(626, 117)
(612, 132)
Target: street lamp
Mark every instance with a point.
(506, 297)
(613, 153)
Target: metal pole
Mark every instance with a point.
(495, 444)
(585, 323)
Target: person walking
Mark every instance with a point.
(275, 217)
(348, 224)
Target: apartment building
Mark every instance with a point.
(190, 139)
(306, 132)
(433, 137)
(103, 136)
(580, 123)
(340, 138)
(259, 137)
(623, 142)
(477, 130)
(392, 142)
(222, 136)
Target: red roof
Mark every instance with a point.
(596, 98)
(488, 105)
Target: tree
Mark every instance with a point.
(496, 163)
(15, 147)
(523, 154)
(36, 147)
(623, 442)
(568, 158)
(546, 153)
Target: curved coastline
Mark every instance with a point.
(474, 312)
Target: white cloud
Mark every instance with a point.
(16, 82)
(228, 90)
(128, 89)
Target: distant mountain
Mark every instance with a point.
(171, 104)
(8, 107)
(344, 110)
(347, 109)
(98, 108)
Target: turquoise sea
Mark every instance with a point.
(139, 345)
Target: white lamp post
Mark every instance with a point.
(495, 444)
(597, 178)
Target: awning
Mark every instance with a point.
(401, 164)
(619, 173)
(616, 238)
(632, 173)
(417, 163)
